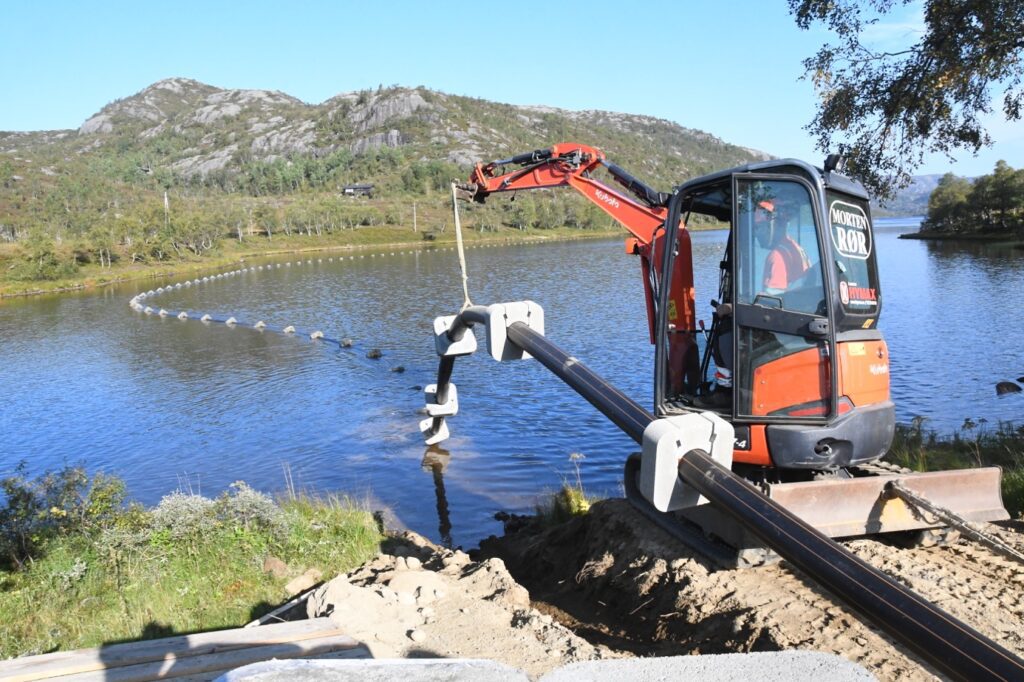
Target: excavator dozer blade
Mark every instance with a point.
(852, 507)
(863, 506)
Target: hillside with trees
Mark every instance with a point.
(911, 200)
(178, 169)
(992, 205)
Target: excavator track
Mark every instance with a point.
(686, 532)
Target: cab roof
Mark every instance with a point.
(712, 194)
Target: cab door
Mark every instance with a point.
(782, 343)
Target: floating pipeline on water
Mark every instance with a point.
(136, 304)
(139, 302)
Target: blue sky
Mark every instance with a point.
(731, 68)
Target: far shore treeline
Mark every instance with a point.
(98, 223)
(991, 204)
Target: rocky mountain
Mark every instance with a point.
(912, 200)
(189, 131)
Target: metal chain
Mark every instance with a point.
(958, 522)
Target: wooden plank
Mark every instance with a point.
(169, 648)
(212, 664)
(361, 652)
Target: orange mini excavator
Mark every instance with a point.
(808, 414)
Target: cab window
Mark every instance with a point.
(779, 264)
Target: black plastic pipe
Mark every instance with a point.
(622, 410)
(950, 645)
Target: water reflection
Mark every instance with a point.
(435, 460)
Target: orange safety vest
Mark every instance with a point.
(784, 264)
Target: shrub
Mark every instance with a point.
(181, 515)
(41, 260)
(250, 509)
(36, 510)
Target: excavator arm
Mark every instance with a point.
(643, 214)
(572, 165)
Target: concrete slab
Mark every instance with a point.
(783, 666)
(407, 670)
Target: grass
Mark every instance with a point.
(974, 444)
(570, 500)
(190, 564)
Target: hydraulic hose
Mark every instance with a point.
(951, 646)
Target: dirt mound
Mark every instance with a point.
(619, 581)
(418, 600)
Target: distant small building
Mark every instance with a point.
(359, 190)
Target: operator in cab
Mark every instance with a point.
(785, 263)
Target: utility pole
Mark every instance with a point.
(414, 217)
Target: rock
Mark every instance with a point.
(406, 599)
(343, 600)
(413, 563)
(275, 567)
(494, 582)
(346, 343)
(398, 369)
(374, 354)
(97, 124)
(417, 583)
(1005, 387)
(303, 582)
(425, 595)
(417, 636)
(455, 561)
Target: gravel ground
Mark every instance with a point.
(610, 585)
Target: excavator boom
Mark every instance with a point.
(572, 165)
(642, 213)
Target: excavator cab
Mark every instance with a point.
(809, 369)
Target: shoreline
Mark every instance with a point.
(92, 280)
(375, 239)
(1000, 237)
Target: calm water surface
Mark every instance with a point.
(170, 404)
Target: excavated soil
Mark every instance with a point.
(617, 581)
(418, 600)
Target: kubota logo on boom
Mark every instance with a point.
(607, 198)
(850, 230)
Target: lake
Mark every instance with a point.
(178, 404)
